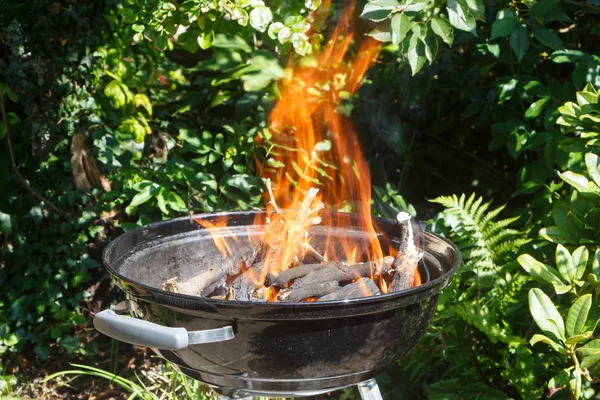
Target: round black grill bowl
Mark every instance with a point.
(278, 347)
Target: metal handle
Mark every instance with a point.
(146, 333)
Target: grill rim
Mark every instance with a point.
(432, 284)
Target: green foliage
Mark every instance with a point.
(486, 244)
(479, 320)
(468, 96)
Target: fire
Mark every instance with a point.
(316, 147)
(315, 159)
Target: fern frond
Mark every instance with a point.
(488, 245)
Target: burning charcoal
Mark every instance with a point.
(171, 285)
(408, 257)
(244, 286)
(283, 277)
(312, 254)
(377, 267)
(216, 285)
(308, 291)
(361, 288)
(343, 273)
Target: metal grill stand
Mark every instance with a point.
(368, 391)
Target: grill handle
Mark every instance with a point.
(146, 333)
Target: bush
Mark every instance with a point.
(120, 113)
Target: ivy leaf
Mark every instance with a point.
(547, 37)
(545, 314)
(519, 42)
(416, 54)
(504, 27)
(400, 26)
(443, 29)
(460, 16)
(539, 270)
(260, 18)
(578, 314)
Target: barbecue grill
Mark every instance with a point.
(243, 349)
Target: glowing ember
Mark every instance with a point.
(314, 159)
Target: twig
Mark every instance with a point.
(16, 168)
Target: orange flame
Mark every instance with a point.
(314, 157)
(314, 146)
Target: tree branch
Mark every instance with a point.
(16, 168)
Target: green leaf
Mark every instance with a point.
(546, 315)
(161, 43)
(504, 27)
(592, 162)
(579, 182)
(477, 8)
(160, 199)
(382, 32)
(578, 339)
(536, 108)
(519, 42)
(589, 354)
(548, 10)
(559, 381)
(564, 262)
(378, 12)
(416, 54)
(143, 196)
(566, 56)
(206, 39)
(143, 100)
(537, 338)
(596, 264)
(175, 202)
(260, 18)
(580, 259)
(400, 26)
(431, 47)
(443, 29)
(539, 270)
(5, 223)
(460, 16)
(578, 314)
(547, 37)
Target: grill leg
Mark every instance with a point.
(369, 390)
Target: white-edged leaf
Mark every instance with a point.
(400, 26)
(443, 29)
